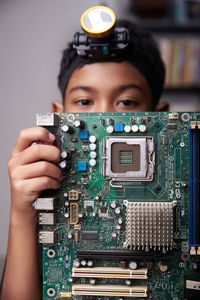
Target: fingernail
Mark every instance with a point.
(51, 136)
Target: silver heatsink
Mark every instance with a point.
(149, 225)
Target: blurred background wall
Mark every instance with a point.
(32, 37)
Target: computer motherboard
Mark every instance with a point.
(126, 222)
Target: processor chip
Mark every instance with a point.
(129, 158)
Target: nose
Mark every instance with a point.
(104, 105)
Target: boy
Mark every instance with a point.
(132, 82)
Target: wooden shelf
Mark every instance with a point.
(195, 89)
(170, 26)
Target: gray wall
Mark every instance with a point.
(33, 34)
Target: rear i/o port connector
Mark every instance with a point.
(103, 272)
(46, 219)
(46, 237)
(44, 203)
(109, 290)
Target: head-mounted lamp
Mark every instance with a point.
(100, 38)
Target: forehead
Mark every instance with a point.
(108, 75)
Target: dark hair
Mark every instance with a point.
(142, 52)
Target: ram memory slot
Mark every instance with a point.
(194, 189)
(198, 186)
(194, 184)
(190, 187)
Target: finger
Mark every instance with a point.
(38, 169)
(29, 135)
(39, 152)
(38, 184)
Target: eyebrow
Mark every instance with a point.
(81, 87)
(121, 88)
(125, 87)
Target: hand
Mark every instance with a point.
(32, 168)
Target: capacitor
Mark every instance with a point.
(113, 204)
(120, 221)
(114, 234)
(70, 280)
(110, 129)
(65, 194)
(79, 124)
(117, 210)
(63, 164)
(70, 235)
(142, 128)
(90, 263)
(93, 154)
(66, 203)
(67, 128)
(66, 154)
(83, 262)
(92, 139)
(135, 128)
(92, 162)
(80, 215)
(127, 128)
(76, 263)
(123, 264)
(132, 265)
(66, 215)
(128, 282)
(92, 147)
(92, 281)
(118, 227)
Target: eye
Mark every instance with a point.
(127, 102)
(84, 102)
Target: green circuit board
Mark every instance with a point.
(125, 223)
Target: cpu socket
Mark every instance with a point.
(129, 158)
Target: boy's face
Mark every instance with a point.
(107, 87)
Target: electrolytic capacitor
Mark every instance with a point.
(93, 154)
(120, 221)
(90, 263)
(67, 128)
(66, 154)
(92, 281)
(83, 262)
(128, 282)
(118, 227)
(117, 210)
(114, 234)
(80, 215)
(127, 128)
(113, 204)
(76, 263)
(79, 124)
(92, 139)
(92, 162)
(132, 265)
(65, 165)
(70, 235)
(92, 147)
